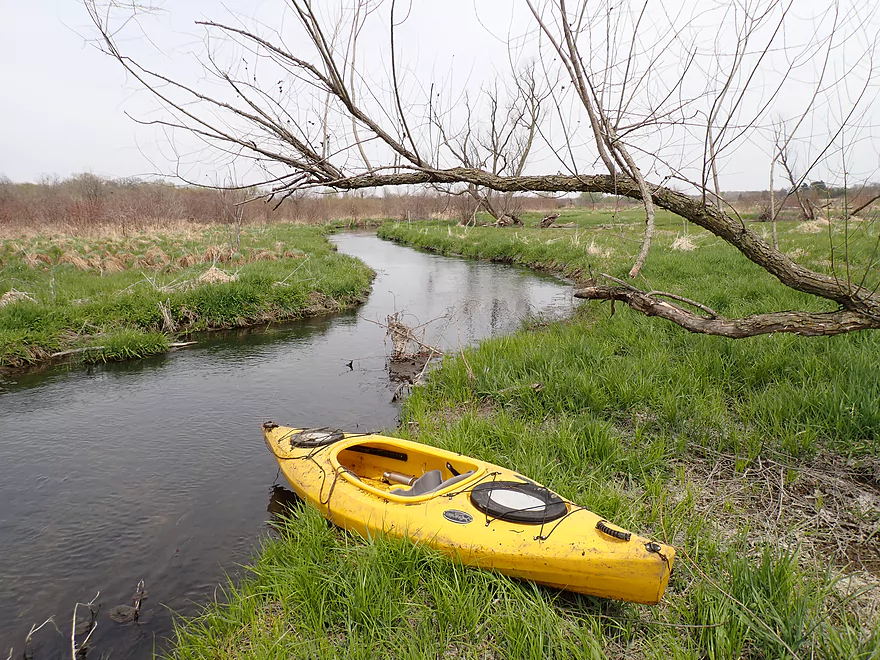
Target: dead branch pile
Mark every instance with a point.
(410, 354)
(404, 342)
(508, 221)
(548, 220)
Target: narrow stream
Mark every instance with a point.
(156, 469)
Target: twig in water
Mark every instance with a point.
(140, 593)
(28, 651)
(418, 378)
(396, 395)
(93, 624)
(74, 351)
(35, 628)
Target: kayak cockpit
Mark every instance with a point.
(404, 472)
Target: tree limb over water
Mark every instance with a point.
(632, 90)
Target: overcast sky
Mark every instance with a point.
(61, 104)
(64, 104)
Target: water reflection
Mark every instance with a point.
(282, 501)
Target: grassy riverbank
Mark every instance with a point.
(118, 297)
(686, 259)
(757, 458)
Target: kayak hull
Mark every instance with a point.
(577, 552)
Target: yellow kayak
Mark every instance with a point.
(486, 515)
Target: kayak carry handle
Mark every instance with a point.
(602, 526)
(398, 478)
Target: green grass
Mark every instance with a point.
(749, 456)
(317, 592)
(78, 300)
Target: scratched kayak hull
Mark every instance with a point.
(488, 516)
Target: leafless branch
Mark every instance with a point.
(663, 100)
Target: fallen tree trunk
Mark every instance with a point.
(801, 323)
(862, 303)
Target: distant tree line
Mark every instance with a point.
(86, 201)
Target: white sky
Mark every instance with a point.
(63, 105)
(61, 109)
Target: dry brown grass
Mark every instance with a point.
(143, 252)
(684, 244)
(216, 254)
(13, 296)
(188, 260)
(813, 226)
(156, 258)
(113, 264)
(599, 251)
(31, 259)
(263, 255)
(827, 506)
(214, 275)
(75, 260)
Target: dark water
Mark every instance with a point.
(156, 469)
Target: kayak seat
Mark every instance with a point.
(430, 482)
(424, 484)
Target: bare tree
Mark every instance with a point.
(784, 155)
(503, 144)
(232, 197)
(796, 183)
(665, 99)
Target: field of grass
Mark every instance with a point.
(124, 297)
(685, 257)
(758, 459)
